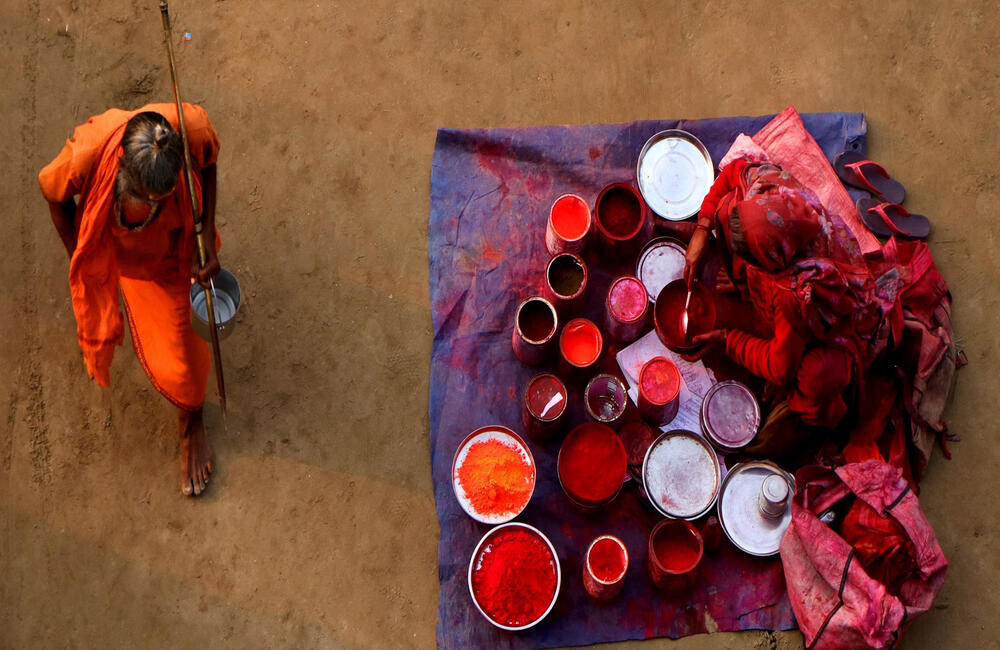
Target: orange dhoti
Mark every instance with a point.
(174, 358)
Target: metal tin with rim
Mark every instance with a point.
(502, 433)
(545, 421)
(608, 392)
(689, 475)
(555, 560)
(660, 263)
(623, 319)
(597, 588)
(227, 299)
(533, 351)
(557, 269)
(674, 173)
(747, 527)
(736, 419)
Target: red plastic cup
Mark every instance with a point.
(580, 345)
(619, 216)
(626, 309)
(604, 567)
(675, 552)
(659, 391)
(566, 282)
(535, 324)
(569, 224)
(544, 409)
(605, 399)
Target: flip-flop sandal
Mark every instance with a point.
(888, 219)
(857, 171)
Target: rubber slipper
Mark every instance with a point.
(888, 219)
(857, 171)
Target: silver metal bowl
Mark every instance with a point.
(227, 300)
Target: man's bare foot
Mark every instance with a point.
(196, 453)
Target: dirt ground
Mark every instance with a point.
(318, 529)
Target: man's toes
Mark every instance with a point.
(186, 487)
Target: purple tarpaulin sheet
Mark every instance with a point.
(491, 190)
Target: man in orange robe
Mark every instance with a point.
(132, 231)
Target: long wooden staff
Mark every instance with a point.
(196, 213)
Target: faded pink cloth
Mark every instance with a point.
(836, 603)
(785, 142)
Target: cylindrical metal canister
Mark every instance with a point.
(755, 508)
(659, 391)
(534, 335)
(580, 346)
(605, 399)
(773, 497)
(660, 263)
(730, 416)
(620, 216)
(626, 309)
(568, 225)
(566, 282)
(681, 475)
(675, 552)
(544, 409)
(604, 568)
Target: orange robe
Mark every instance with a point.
(151, 267)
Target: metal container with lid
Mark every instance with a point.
(681, 474)
(674, 172)
(730, 415)
(755, 506)
(626, 309)
(660, 263)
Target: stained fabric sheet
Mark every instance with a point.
(491, 190)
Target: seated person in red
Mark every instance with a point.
(813, 306)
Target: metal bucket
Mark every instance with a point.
(227, 300)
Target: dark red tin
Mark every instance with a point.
(659, 391)
(626, 309)
(544, 409)
(604, 583)
(566, 282)
(675, 552)
(535, 324)
(667, 315)
(619, 216)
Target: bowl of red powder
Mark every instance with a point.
(514, 576)
(667, 312)
(493, 475)
(591, 465)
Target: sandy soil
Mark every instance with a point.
(318, 529)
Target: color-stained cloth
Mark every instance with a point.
(491, 191)
(151, 266)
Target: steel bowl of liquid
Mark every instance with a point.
(226, 299)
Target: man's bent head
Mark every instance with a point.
(152, 155)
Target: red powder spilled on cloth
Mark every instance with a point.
(581, 342)
(571, 217)
(628, 299)
(619, 212)
(514, 577)
(592, 463)
(676, 549)
(536, 320)
(660, 380)
(496, 477)
(607, 560)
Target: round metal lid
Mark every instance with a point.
(660, 263)
(730, 415)
(681, 474)
(675, 172)
(749, 529)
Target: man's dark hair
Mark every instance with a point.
(153, 153)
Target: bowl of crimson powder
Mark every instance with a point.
(493, 474)
(514, 576)
(591, 465)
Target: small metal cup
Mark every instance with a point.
(226, 300)
(605, 400)
(597, 587)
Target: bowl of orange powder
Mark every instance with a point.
(493, 475)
